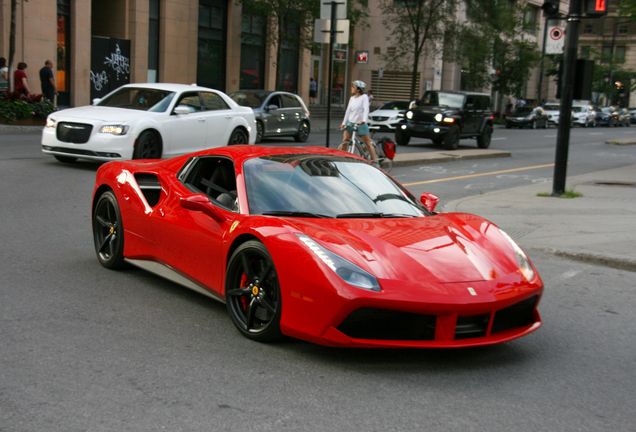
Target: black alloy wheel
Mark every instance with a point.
(303, 132)
(252, 293)
(108, 232)
(451, 140)
(65, 159)
(401, 138)
(238, 137)
(483, 140)
(259, 132)
(148, 146)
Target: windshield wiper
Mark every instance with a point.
(294, 214)
(372, 215)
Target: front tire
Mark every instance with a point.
(401, 138)
(252, 293)
(303, 132)
(108, 232)
(259, 132)
(483, 140)
(238, 137)
(451, 140)
(148, 146)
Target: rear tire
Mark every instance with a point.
(386, 164)
(303, 132)
(483, 140)
(148, 146)
(451, 140)
(259, 132)
(238, 137)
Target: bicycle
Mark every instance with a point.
(358, 147)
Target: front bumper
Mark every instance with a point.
(424, 130)
(518, 123)
(99, 147)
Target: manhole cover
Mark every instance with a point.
(609, 183)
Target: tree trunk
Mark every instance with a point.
(279, 51)
(14, 7)
(416, 60)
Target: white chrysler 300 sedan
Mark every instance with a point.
(148, 121)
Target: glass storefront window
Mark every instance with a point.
(212, 40)
(252, 51)
(288, 79)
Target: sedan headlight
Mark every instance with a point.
(409, 115)
(50, 123)
(522, 259)
(347, 271)
(114, 129)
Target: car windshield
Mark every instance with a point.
(395, 106)
(606, 110)
(576, 109)
(143, 99)
(307, 185)
(551, 107)
(522, 111)
(451, 100)
(249, 99)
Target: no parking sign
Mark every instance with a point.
(554, 42)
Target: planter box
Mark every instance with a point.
(29, 121)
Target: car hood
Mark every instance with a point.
(105, 114)
(386, 113)
(444, 248)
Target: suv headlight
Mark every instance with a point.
(522, 259)
(439, 117)
(114, 129)
(409, 115)
(347, 271)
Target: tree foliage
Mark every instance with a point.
(416, 28)
(627, 8)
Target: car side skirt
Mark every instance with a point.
(170, 274)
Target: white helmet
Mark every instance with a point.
(360, 85)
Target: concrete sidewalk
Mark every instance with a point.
(599, 227)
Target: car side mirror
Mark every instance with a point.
(201, 203)
(182, 109)
(429, 201)
(272, 107)
(96, 101)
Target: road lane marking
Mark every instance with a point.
(478, 175)
(497, 139)
(596, 133)
(549, 136)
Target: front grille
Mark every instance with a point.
(379, 118)
(383, 324)
(420, 116)
(518, 315)
(471, 326)
(76, 133)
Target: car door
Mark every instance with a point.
(191, 241)
(187, 131)
(218, 116)
(273, 115)
(470, 113)
(292, 110)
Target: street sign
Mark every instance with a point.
(341, 10)
(362, 56)
(554, 42)
(323, 27)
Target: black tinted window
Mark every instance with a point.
(290, 101)
(213, 101)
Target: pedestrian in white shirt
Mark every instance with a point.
(357, 113)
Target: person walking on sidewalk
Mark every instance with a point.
(20, 79)
(357, 113)
(313, 87)
(47, 81)
(4, 75)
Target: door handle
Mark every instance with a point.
(227, 116)
(201, 119)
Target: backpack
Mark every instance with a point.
(388, 147)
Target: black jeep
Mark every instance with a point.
(446, 117)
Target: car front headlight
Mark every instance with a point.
(346, 270)
(50, 123)
(522, 259)
(409, 115)
(114, 129)
(439, 117)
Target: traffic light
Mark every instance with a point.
(551, 7)
(595, 8)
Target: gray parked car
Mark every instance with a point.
(277, 113)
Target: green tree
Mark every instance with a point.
(608, 72)
(627, 8)
(416, 28)
(283, 16)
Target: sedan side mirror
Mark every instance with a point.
(272, 107)
(182, 109)
(96, 101)
(201, 203)
(429, 201)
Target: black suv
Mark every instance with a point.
(446, 117)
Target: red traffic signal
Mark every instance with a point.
(596, 8)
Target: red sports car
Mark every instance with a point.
(316, 244)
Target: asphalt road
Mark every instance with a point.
(83, 348)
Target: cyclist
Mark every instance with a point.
(357, 113)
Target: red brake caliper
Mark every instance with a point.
(244, 284)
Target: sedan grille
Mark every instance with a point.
(379, 118)
(76, 133)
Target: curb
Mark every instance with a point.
(624, 141)
(19, 129)
(603, 260)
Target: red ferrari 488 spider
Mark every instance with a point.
(316, 244)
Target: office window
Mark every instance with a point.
(212, 42)
(253, 30)
(620, 54)
(153, 42)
